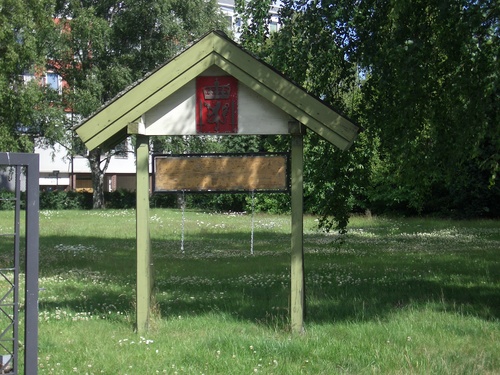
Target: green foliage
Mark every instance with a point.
(71, 200)
(164, 200)
(311, 49)
(27, 111)
(120, 199)
(422, 78)
(125, 199)
(309, 53)
(187, 144)
(431, 93)
(65, 200)
(7, 200)
(255, 17)
(242, 144)
(274, 203)
(217, 202)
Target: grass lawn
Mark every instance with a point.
(418, 296)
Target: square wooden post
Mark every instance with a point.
(144, 274)
(297, 298)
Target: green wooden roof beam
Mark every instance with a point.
(109, 124)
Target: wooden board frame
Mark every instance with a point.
(222, 173)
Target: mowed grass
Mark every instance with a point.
(400, 296)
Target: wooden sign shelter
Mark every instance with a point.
(215, 87)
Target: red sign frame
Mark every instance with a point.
(216, 105)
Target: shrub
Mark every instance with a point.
(169, 200)
(65, 200)
(120, 198)
(7, 200)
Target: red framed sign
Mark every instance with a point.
(216, 105)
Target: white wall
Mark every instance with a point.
(176, 115)
(56, 159)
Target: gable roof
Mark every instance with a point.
(108, 126)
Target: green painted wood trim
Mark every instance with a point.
(150, 85)
(136, 102)
(144, 269)
(287, 106)
(137, 126)
(217, 49)
(294, 94)
(297, 297)
(131, 115)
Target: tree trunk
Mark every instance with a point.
(95, 160)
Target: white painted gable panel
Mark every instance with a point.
(176, 115)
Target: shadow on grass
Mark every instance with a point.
(217, 273)
(361, 303)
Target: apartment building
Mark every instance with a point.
(59, 171)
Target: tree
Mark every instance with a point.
(425, 78)
(28, 111)
(311, 49)
(432, 98)
(255, 18)
(101, 47)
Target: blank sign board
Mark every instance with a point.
(221, 172)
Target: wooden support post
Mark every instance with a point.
(297, 299)
(144, 274)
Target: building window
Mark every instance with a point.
(28, 77)
(52, 80)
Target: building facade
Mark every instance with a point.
(59, 171)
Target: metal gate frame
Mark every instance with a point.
(29, 164)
